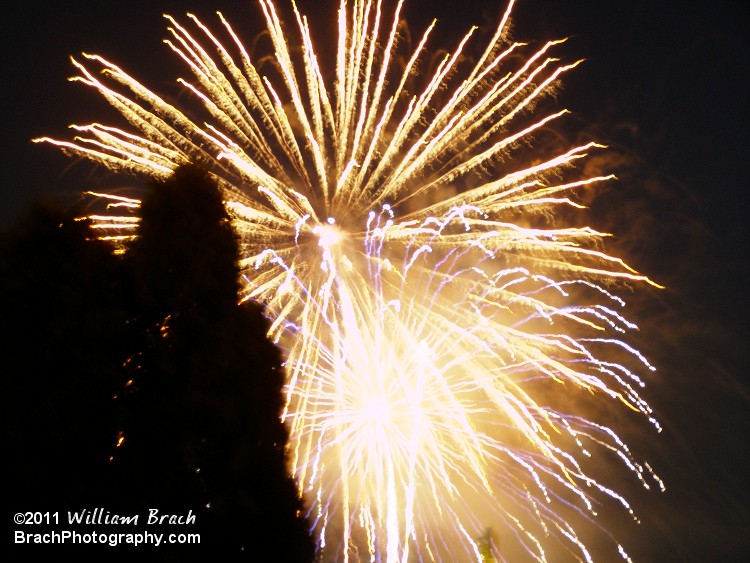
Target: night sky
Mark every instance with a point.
(663, 85)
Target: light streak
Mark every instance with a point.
(441, 341)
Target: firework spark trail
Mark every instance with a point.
(425, 321)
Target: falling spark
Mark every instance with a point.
(442, 335)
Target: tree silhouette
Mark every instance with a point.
(61, 326)
(207, 382)
(138, 382)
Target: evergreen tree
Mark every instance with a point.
(137, 381)
(62, 325)
(207, 384)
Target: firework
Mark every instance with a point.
(442, 335)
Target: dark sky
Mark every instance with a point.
(663, 84)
